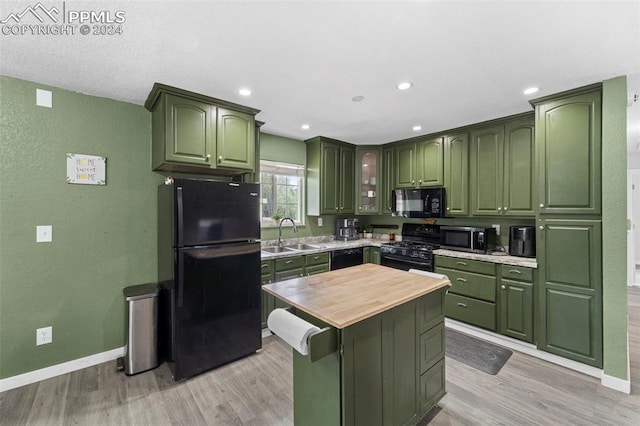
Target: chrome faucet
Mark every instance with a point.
(295, 229)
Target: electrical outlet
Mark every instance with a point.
(44, 335)
(319, 221)
(497, 227)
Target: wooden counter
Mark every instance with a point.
(346, 296)
(385, 364)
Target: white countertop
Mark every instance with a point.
(527, 262)
(326, 246)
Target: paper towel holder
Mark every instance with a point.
(320, 343)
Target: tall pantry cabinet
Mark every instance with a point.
(569, 226)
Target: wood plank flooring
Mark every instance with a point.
(258, 391)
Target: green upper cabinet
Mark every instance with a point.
(198, 134)
(568, 145)
(330, 177)
(236, 140)
(570, 289)
(369, 171)
(419, 164)
(387, 185)
(456, 174)
(502, 169)
(405, 165)
(430, 162)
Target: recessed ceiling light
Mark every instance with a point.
(305, 127)
(357, 98)
(404, 85)
(245, 92)
(530, 90)
(417, 128)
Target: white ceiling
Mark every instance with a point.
(305, 60)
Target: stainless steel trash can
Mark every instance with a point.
(142, 328)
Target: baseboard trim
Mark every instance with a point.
(59, 369)
(526, 348)
(615, 383)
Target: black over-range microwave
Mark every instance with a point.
(422, 202)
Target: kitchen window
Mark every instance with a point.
(282, 192)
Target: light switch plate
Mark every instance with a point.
(44, 98)
(44, 335)
(44, 234)
(319, 221)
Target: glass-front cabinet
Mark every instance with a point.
(368, 181)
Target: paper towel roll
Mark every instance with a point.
(291, 329)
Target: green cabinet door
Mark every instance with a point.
(568, 145)
(516, 309)
(430, 162)
(190, 134)
(456, 174)
(387, 184)
(570, 289)
(368, 180)
(487, 151)
(518, 188)
(405, 165)
(375, 255)
(236, 140)
(346, 182)
(329, 181)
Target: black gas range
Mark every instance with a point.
(415, 251)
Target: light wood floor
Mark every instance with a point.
(258, 391)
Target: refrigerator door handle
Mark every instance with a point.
(180, 215)
(180, 283)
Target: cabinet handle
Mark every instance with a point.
(504, 287)
(288, 262)
(541, 205)
(461, 263)
(316, 257)
(264, 266)
(462, 305)
(515, 271)
(499, 208)
(462, 280)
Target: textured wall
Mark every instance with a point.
(104, 237)
(614, 227)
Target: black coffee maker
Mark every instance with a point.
(522, 241)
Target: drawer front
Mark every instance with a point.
(432, 387)
(287, 275)
(472, 311)
(476, 266)
(431, 347)
(287, 263)
(472, 285)
(266, 267)
(518, 273)
(317, 269)
(266, 279)
(430, 310)
(317, 259)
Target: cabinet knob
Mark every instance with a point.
(208, 157)
(359, 208)
(541, 205)
(504, 287)
(541, 227)
(499, 209)
(337, 208)
(505, 209)
(413, 181)
(448, 208)
(220, 159)
(420, 181)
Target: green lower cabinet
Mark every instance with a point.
(432, 387)
(516, 310)
(267, 276)
(570, 289)
(371, 255)
(472, 311)
(317, 269)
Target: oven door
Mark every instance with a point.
(404, 263)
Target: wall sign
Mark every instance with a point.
(86, 169)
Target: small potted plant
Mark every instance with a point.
(367, 231)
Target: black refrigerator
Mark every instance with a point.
(209, 273)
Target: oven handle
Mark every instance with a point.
(402, 259)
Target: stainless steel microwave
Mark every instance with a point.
(422, 202)
(466, 238)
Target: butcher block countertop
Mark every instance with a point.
(346, 296)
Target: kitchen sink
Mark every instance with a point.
(276, 249)
(303, 247)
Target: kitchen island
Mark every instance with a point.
(379, 359)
